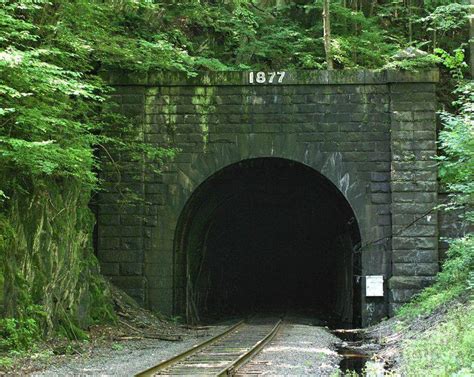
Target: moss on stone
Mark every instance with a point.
(168, 109)
(50, 270)
(203, 101)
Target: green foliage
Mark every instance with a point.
(446, 18)
(6, 362)
(416, 64)
(21, 334)
(457, 142)
(455, 62)
(52, 106)
(117, 347)
(18, 334)
(49, 123)
(447, 349)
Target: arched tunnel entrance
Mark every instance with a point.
(267, 234)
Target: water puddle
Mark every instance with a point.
(352, 360)
(356, 355)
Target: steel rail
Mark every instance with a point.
(232, 368)
(177, 358)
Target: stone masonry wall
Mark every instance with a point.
(372, 134)
(414, 190)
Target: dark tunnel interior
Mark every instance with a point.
(268, 234)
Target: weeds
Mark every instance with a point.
(445, 350)
(17, 334)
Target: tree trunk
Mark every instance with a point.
(471, 38)
(327, 34)
(410, 25)
(373, 4)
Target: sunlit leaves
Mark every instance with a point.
(447, 18)
(457, 143)
(455, 62)
(42, 128)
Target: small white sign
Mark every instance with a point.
(374, 286)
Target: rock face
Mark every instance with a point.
(371, 134)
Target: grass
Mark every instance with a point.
(445, 350)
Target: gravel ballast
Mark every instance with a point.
(299, 348)
(129, 357)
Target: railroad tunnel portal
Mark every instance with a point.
(268, 234)
(336, 145)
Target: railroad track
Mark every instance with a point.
(223, 354)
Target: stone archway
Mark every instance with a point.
(267, 233)
(182, 179)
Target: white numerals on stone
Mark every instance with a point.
(270, 77)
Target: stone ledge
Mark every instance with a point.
(415, 269)
(239, 78)
(410, 282)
